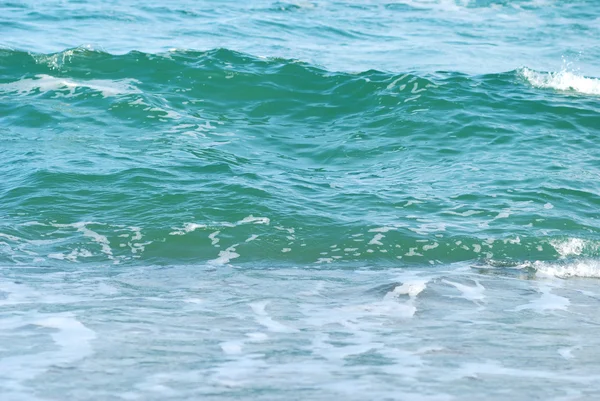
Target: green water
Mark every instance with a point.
(319, 159)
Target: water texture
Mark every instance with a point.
(299, 200)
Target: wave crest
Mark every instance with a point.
(561, 81)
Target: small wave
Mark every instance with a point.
(562, 81)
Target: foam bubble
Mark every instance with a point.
(562, 81)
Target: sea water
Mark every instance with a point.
(311, 200)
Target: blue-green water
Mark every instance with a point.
(299, 200)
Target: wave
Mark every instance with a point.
(122, 74)
(372, 167)
(258, 238)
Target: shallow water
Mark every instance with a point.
(311, 200)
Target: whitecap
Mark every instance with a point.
(581, 268)
(562, 81)
(573, 246)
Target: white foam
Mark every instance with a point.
(137, 233)
(381, 229)
(430, 247)
(377, 239)
(394, 82)
(322, 345)
(465, 213)
(193, 300)
(47, 83)
(32, 223)
(71, 336)
(226, 256)
(257, 337)
(9, 237)
(428, 228)
(562, 81)
(410, 288)
(98, 238)
(582, 268)
(503, 214)
(263, 318)
(476, 370)
(567, 353)
(412, 252)
(187, 228)
(547, 301)
(72, 256)
(472, 293)
(255, 220)
(232, 347)
(573, 246)
(213, 238)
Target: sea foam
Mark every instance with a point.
(581, 268)
(562, 81)
(67, 87)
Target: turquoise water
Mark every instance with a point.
(299, 200)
